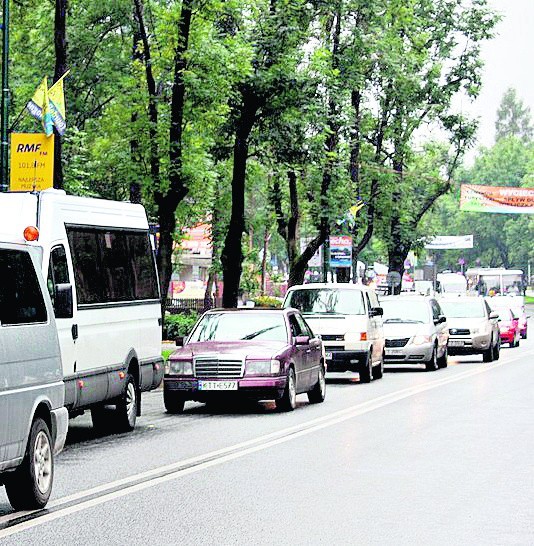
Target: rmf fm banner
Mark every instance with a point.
(32, 162)
(503, 199)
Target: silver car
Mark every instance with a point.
(473, 327)
(416, 332)
(33, 421)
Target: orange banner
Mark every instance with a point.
(499, 199)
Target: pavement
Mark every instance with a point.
(417, 457)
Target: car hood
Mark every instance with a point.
(233, 349)
(336, 324)
(403, 330)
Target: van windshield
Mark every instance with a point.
(330, 301)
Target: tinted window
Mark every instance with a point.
(58, 272)
(235, 326)
(295, 326)
(112, 265)
(327, 301)
(21, 300)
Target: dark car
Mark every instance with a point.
(254, 354)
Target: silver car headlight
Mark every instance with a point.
(421, 340)
(263, 367)
(181, 367)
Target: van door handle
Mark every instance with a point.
(74, 332)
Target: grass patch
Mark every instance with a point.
(166, 353)
(529, 299)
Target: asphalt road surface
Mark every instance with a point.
(417, 457)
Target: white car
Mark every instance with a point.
(349, 319)
(416, 331)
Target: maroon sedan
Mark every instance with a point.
(255, 354)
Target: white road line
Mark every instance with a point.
(173, 471)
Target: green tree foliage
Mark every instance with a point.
(513, 118)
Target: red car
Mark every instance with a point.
(255, 354)
(509, 327)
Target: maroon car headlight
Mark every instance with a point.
(181, 367)
(263, 367)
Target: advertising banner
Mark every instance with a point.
(448, 242)
(500, 199)
(340, 251)
(32, 162)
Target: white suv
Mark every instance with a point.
(349, 319)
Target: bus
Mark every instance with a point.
(495, 281)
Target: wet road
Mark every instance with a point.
(445, 457)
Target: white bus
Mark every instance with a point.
(99, 264)
(495, 281)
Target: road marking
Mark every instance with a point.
(22, 521)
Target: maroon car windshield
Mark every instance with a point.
(240, 326)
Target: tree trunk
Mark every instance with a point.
(266, 239)
(169, 201)
(398, 249)
(137, 55)
(232, 252)
(208, 300)
(60, 47)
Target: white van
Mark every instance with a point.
(99, 264)
(33, 418)
(349, 319)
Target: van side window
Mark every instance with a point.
(369, 306)
(112, 265)
(21, 299)
(58, 271)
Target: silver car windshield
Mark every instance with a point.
(239, 327)
(463, 309)
(327, 301)
(405, 311)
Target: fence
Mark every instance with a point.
(182, 305)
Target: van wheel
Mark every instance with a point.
(318, 393)
(366, 371)
(378, 371)
(173, 402)
(29, 487)
(288, 402)
(126, 411)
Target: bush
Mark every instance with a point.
(179, 325)
(267, 301)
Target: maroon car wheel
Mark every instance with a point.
(288, 402)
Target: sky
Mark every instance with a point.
(509, 62)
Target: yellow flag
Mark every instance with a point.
(56, 97)
(35, 105)
(355, 208)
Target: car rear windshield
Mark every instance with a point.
(463, 309)
(402, 310)
(240, 326)
(336, 301)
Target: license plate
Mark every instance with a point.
(328, 356)
(217, 385)
(456, 343)
(394, 352)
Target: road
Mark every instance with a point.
(430, 458)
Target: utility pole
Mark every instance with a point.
(4, 156)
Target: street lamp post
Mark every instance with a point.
(4, 184)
